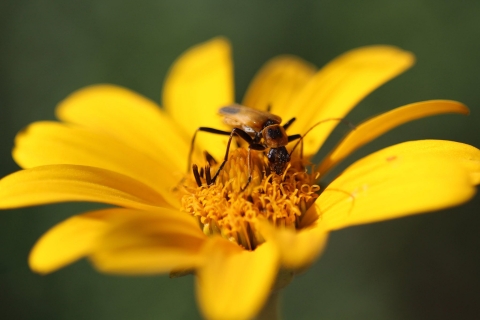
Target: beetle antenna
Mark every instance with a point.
(350, 124)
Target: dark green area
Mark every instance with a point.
(422, 267)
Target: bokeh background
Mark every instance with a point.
(421, 267)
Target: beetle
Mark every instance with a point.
(261, 130)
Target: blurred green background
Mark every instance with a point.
(422, 267)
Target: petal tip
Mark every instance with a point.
(36, 265)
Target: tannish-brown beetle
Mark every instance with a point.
(261, 130)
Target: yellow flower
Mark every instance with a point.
(116, 147)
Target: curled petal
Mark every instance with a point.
(340, 85)
(278, 83)
(121, 241)
(71, 239)
(131, 118)
(235, 283)
(60, 183)
(393, 183)
(298, 248)
(150, 243)
(375, 127)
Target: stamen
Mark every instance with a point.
(196, 175)
(207, 175)
(223, 208)
(210, 159)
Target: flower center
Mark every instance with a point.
(227, 208)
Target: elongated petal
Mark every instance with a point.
(60, 183)
(198, 84)
(298, 248)
(393, 183)
(375, 127)
(235, 283)
(340, 85)
(109, 231)
(278, 83)
(45, 143)
(131, 118)
(461, 153)
(150, 243)
(71, 239)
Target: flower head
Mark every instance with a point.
(240, 224)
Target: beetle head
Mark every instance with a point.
(278, 159)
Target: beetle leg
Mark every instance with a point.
(249, 170)
(257, 147)
(242, 134)
(294, 137)
(288, 123)
(203, 129)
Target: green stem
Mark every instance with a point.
(271, 309)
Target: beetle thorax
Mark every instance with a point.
(275, 136)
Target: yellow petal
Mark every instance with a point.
(198, 84)
(393, 183)
(461, 153)
(278, 83)
(340, 85)
(44, 143)
(150, 243)
(71, 240)
(235, 283)
(375, 127)
(131, 118)
(60, 183)
(298, 248)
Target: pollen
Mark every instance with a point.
(232, 208)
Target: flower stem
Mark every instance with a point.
(271, 309)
